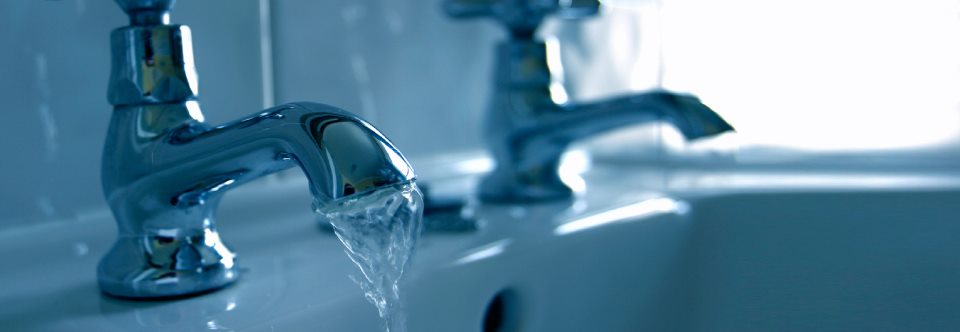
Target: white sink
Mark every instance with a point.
(645, 249)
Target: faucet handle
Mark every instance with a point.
(147, 12)
(521, 17)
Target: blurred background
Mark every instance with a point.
(840, 80)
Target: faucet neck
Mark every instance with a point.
(523, 78)
(522, 64)
(151, 65)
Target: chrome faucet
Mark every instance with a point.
(165, 171)
(527, 130)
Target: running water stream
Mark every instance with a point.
(379, 230)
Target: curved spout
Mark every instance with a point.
(164, 173)
(569, 123)
(340, 153)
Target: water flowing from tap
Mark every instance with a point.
(379, 230)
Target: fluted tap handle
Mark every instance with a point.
(147, 12)
(521, 17)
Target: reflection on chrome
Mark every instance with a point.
(555, 64)
(572, 165)
(644, 209)
(483, 252)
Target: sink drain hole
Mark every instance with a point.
(501, 313)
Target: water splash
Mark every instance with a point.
(379, 230)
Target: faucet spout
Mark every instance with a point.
(691, 117)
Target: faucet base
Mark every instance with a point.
(156, 266)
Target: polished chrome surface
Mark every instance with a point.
(151, 65)
(529, 126)
(164, 171)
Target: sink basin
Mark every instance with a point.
(821, 261)
(645, 248)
